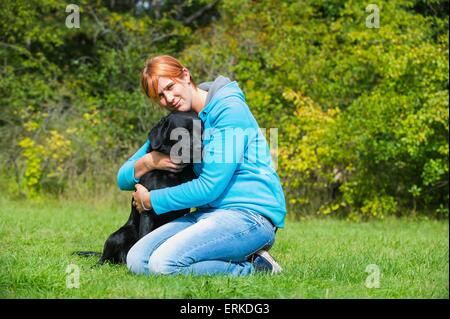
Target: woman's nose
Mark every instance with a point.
(169, 97)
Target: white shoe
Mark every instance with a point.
(263, 261)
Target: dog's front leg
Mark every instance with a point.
(146, 224)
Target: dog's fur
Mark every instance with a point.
(138, 225)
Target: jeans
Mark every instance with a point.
(205, 242)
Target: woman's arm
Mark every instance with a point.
(126, 178)
(217, 169)
(141, 163)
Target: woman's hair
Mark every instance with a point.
(163, 65)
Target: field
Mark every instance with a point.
(322, 258)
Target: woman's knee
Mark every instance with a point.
(161, 263)
(136, 261)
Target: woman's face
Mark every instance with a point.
(175, 94)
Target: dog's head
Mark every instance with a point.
(179, 133)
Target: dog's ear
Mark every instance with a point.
(184, 120)
(150, 148)
(157, 135)
(196, 139)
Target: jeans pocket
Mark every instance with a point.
(254, 216)
(265, 222)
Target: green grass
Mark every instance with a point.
(322, 258)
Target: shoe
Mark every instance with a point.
(264, 262)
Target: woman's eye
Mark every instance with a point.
(168, 88)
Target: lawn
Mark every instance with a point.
(322, 258)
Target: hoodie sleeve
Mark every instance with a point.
(223, 150)
(125, 175)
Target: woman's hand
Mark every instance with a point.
(141, 198)
(155, 160)
(158, 160)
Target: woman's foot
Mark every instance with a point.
(263, 262)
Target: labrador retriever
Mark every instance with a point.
(164, 139)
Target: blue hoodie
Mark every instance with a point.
(236, 171)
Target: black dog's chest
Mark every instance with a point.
(161, 179)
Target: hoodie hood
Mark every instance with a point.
(214, 86)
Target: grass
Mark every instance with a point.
(322, 258)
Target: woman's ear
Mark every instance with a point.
(186, 75)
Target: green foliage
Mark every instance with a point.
(362, 112)
(71, 102)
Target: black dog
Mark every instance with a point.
(138, 225)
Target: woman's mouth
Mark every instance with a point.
(176, 105)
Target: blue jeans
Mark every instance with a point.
(206, 242)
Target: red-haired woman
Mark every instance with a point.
(237, 192)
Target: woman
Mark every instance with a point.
(240, 202)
